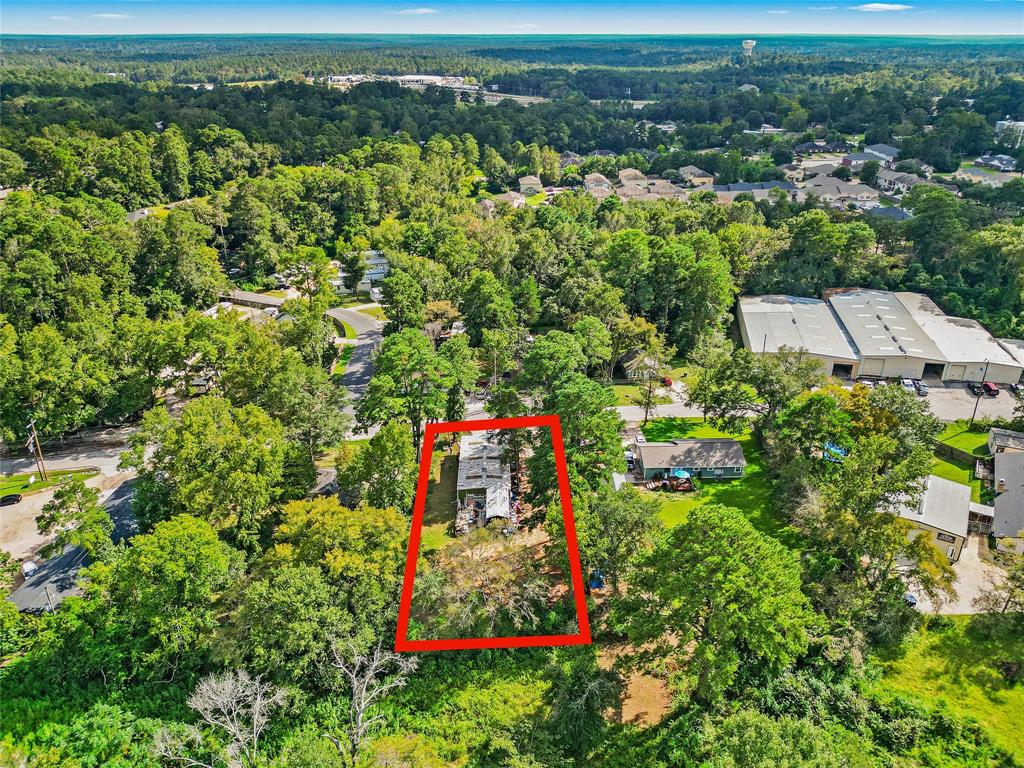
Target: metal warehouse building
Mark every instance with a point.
(866, 332)
(768, 323)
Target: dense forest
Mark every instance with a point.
(248, 625)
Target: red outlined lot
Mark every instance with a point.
(402, 641)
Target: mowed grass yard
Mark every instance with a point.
(958, 472)
(959, 436)
(750, 494)
(439, 511)
(954, 665)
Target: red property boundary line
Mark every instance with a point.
(402, 641)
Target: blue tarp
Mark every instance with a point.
(680, 473)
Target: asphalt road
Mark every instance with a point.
(369, 332)
(57, 577)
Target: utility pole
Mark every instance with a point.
(977, 399)
(37, 450)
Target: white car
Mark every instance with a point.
(908, 385)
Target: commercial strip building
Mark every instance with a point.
(866, 332)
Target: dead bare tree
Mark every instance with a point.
(370, 677)
(234, 703)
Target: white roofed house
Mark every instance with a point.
(484, 486)
(769, 323)
(897, 183)
(942, 512)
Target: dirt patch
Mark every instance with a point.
(646, 699)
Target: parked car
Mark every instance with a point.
(1016, 388)
(908, 385)
(975, 388)
(869, 383)
(990, 389)
(9, 499)
(921, 387)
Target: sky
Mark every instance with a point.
(509, 17)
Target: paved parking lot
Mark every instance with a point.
(956, 402)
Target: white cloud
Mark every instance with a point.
(880, 7)
(414, 11)
(109, 16)
(778, 13)
(59, 18)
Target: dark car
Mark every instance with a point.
(1016, 388)
(9, 499)
(975, 388)
(921, 387)
(990, 389)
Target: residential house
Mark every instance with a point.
(1000, 440)
(596, 181)
(840, 193)
(885, 153)
(1003, 163)
(1010, 132)
(994, 179)
(569, 158)
(766, 129)
(377, 268)
(749, 87)
(530, 185)
(601, 153)
(666, 127)
(627, 175)
(695, 177)
(637, 365)
(486, 207)
(483, 487)
(793, 172)
(1008, 516)
(894, 183)
(941, 512)
(514, 199)
(824, 169)
(856, 160)
(709, 459)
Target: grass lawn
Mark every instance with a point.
(751, 494)
(537, 199)
(348, 330)
(959, 436)
(20, 484)
(958, 472)
(342, 361)
(279, 293)
(377, 312)
(629, 394)
(349, 299)
(439, 512)
(954, 665)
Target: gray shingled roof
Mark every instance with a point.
(717, 452)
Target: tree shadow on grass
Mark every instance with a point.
(971, 654)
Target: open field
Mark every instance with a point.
(954, 665)
(751, 494)
(439, 512)
(375, 312)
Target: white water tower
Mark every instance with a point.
(748, 48)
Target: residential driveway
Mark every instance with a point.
(973, 576)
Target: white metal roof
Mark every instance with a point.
(1015, 347)
(959, 339)
(881, 326)
(793, 322)
(944, 505)
(481, 469)
(1008, 518)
